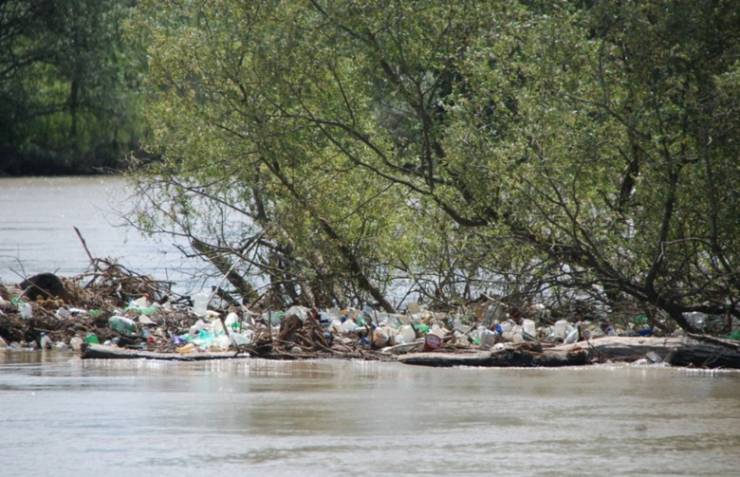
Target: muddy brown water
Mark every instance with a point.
(62, 416)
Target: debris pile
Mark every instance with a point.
(112, 306)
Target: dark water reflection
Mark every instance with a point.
(63, 416)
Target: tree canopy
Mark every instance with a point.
(461, 147)
(68, 85)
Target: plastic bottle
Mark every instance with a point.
(529, 327)
(26, 310)
(45, 342)
(405, 335)
(90, 339)
(188, 348)
(561, 329)
(487, 338)
(200, 302)
(123, 325)
(76, 343)
(572, 336)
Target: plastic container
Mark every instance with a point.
(90, 339)
(76, 343)
(487, 338)
(572, 336)
(432, 342)
(26, 310)
(529, 328)
(45, 342)
(405, 335)
(381, 338)
(200, 302)
(561, 329)
(123, 325)
(242, 339)
(188, 348)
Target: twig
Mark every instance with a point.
(93, 262)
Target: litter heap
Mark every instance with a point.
(112, 312)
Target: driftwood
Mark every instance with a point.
(114, 352)
(693, 350)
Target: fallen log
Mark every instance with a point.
(694, 350)
(114, 352)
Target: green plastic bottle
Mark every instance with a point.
(124, 326)
(92, 338)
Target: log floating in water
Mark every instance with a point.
(693, 350)
(114, 352)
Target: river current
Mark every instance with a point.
(62, 416)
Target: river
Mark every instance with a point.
(62, 416)
(37, 216)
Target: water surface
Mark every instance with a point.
(63, 416)
(37, 216)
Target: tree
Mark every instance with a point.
(551, 139)
(67, 83)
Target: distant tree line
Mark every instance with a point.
(68, 86)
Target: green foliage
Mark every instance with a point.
(461, 143)
(67, 85)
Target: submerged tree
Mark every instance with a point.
(592, 148)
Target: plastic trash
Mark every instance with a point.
(232, 321)
(381, 337)
(243, 339)
(487, 338)
(349, 326)
(188, 348)
(432, 342)
(180, 340)
(572, 336)
(142, 306)
(561, 329)
(90, 339)
(529, 327)
(200, 302)
(123, 325)
(197, 326)
(405, 335)
(506, 326)
(76, 343)
(276, 317)
(45, 342)
(63, 313)
(144, 320)
(299, 311)
(26, 310)
(220, 343)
